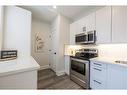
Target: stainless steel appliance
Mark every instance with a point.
(91, 36)
(80, 65)
(88, 37)
(81, 38)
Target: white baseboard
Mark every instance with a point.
(59, 73)
(44, 67)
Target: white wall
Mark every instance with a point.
(64, 39)
(43, 57)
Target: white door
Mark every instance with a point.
(53, 49)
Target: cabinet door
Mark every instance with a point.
(117, 77)
(98, 74)
(119, 24)
(1, 25)
(73, 29)
(81, 26)
(90, 22)
(103, 25)
(86, 24)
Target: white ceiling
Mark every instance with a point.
(48, 13)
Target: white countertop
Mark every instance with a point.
(18, 65)
(109, 61)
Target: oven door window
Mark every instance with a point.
(78, 67)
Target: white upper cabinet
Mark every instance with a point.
(85, 24)
(119, 24)
(90, 22)
(103, 25)
(81, 26)
(110, 24)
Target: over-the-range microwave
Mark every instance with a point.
(86, 38)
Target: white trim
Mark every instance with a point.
(59, 73)
(44, 67)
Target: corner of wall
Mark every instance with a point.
(60, 73)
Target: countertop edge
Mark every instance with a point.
(19, 71)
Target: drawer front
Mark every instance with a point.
(96, 83)
(97, 72)
(98, 64)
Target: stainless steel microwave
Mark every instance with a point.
(86, 38)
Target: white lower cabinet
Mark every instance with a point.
(98, 72)
(107, 76)
(97, 83)
(117, 77)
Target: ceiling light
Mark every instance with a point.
(54, 7)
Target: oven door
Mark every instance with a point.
(80, 68)
(91, 36)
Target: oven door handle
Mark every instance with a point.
(80, 60)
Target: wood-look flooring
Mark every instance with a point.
(47, 79)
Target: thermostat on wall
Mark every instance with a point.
(8, 54)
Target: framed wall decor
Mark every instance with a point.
(39, 43)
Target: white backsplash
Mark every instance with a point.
(113, 51)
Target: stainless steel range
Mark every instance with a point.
(80, 66)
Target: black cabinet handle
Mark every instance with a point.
(97, 64)
(97, 69)
(97, 81)
(55, 53)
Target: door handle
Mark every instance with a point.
(55, 53)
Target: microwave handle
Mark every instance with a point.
(95, 37)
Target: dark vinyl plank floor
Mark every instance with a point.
(47, 79)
